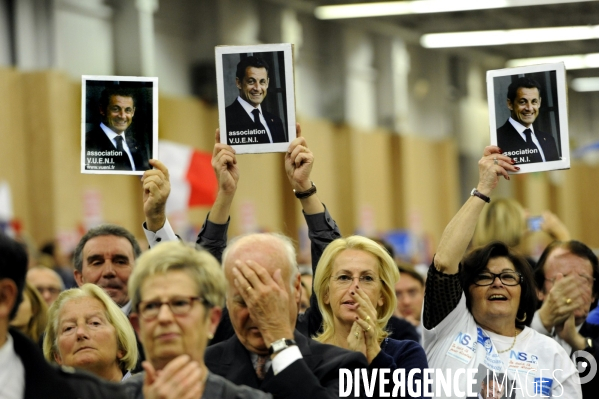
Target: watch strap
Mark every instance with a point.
(305, 194)
(480, 195)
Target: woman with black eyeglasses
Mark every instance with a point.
(477, 308)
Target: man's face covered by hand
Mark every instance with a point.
(254, 85)
(118, 115)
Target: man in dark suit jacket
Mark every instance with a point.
(110, 146)
(263, 300)
(517, 138)
(567, 275)
(24, 372)
(247, 122)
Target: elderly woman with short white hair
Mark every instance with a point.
(88, 331)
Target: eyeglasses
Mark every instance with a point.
(507, 278)
(344, 280)
(589, 280)
(179, 306)
(50, 290)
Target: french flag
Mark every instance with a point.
(193, 182)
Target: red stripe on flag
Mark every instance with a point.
(202, 179)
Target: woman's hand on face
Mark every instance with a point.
(491, 166)
(366, 320)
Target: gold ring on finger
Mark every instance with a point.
(368, 329)
(249, 288)
(568, 301)
(357, 334)
(367, 318)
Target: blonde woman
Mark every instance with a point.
(88, 331)
(354, 285)
(31, 318)
(505, 220)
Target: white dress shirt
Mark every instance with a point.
(111, 135)
(520, 129)
(249, 108)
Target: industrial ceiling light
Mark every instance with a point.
(578, 61)
(511, 36)
(387, 8)
(585, 84)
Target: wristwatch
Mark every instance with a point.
(305, 194)
(480, 195)
(279, 345)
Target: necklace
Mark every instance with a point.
(516, 332)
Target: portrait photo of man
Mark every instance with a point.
(117, 137)
(518, 135)
(254, 93)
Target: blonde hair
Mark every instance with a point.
(203, 269)
(125, 336)
(39, 313)
(502, 220)
(388, 274)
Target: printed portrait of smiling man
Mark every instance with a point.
(518, 138)
(247, 121)
(111, 145)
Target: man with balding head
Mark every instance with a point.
(47, 282)
(263, 302)
(267, 351)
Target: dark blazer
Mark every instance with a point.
(508, 139)
(315, 376)
(215, 387)
(45, 381)
(96, 140)
(237, 119)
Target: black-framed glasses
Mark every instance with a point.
(506, 278)
(180, 306)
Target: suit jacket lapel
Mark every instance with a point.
(238, 365)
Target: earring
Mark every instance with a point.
(210, 335)
(523, 318)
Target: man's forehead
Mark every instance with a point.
(256, 72)
(108, 244)
(45, 275)
(117, 98)
(265, 250)
(527, 92)
(562, 260)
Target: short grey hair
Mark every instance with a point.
(202, 267)
(286, 244)
(103, 230)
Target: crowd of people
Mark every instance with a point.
(223, 318)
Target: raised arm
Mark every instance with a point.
(156, 189)
(443, 289)
(322, 229)
(459, 231)
(213, 235)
